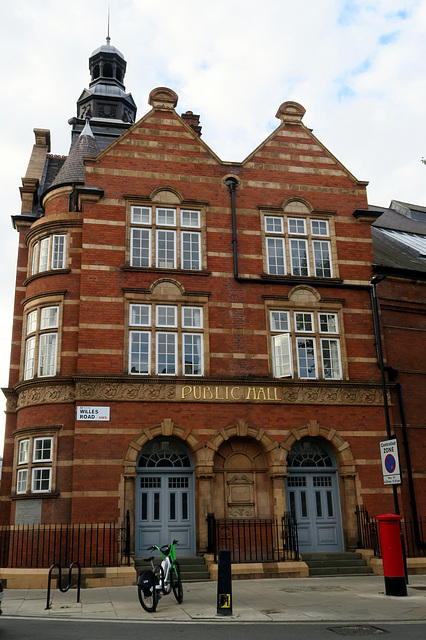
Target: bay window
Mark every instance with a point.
(41, 342)
(48, 253)
(34, 464)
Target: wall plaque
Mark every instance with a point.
(28, 512)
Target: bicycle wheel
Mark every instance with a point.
(159, 579)
(147, 592)
(176, 581)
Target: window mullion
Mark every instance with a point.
(178, 243)
(310, 248)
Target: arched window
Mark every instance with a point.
(108, 71)
(96, 72)
(309, 453)
(166, 454)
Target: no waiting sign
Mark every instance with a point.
(390, 462)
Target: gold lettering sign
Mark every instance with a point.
(227, 393)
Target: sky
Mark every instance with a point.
(358, 68)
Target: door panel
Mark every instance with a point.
(164, 511)
(313, 497)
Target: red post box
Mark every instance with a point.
(393, 559)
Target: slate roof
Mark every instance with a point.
(399, 237)
(73, 170)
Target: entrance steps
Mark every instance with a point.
(336, 564)
(192, 568)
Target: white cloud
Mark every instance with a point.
(356, 66)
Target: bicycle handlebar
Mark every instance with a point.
(164, 547)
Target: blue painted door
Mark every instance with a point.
(165, 497)
(314, 498)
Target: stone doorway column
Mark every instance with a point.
(203, 506)
(279, 495)
(129, 505)
(349, 503)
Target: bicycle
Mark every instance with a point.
(163, 578)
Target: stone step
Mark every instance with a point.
(193, 568)
(347, 562)
(334, 555)
(338, 563)
(337, 571)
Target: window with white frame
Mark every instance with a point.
(23, 451)
(166, 340)
(34, 465)
(48, 253)
(41, 479)
(22, 481)
(305, 344)
(165, 238)
(41, 342)
(297, 246)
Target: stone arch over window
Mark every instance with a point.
(166, 195)
(242, 429)
(297, 205)
(174, 287)
(304, 294)
(310, 452)
(164, 453)
(349, 485)
(166, 428)
(339, 447)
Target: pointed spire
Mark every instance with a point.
(73, 170)
(87, 131)
(108, 39)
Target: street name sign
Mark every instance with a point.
(92, 413)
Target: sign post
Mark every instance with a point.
(390, 462)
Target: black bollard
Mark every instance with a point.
(224, 584)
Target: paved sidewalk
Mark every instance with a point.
(348, 598)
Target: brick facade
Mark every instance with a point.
(235, 417)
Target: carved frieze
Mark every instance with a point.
(102, 390)
(45, 395)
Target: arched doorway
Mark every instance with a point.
(313, 496)
(164, 496)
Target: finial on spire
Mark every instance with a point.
(108, 39)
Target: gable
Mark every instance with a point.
(293, 149)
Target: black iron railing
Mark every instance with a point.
(254, 540)
(38, 546)
(368, 534)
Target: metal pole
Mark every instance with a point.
(224, 584)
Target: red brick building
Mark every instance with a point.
(399, 241)
(191, 335)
